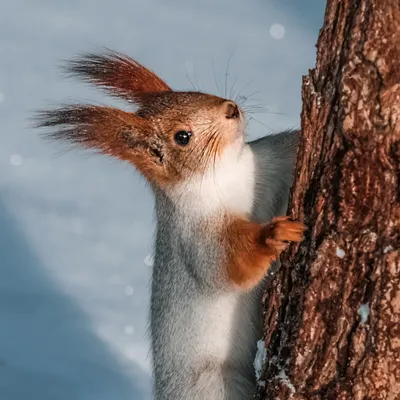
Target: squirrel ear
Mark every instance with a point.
(119, 74)
(108, 130)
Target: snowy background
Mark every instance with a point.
(76, 231)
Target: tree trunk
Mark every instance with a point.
(332, 313)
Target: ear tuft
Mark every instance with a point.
(93, 127)
(117, 73)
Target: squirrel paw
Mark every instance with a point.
(280, 232)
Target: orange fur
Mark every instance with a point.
(146, 138)
(119, 74)
(110, 131)
(252, 247)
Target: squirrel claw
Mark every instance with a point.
(281, 231)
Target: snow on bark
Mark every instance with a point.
(333, 309)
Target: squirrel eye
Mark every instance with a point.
(182, 137)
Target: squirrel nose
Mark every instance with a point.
(231, 109)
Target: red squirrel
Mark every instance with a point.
(216, 202)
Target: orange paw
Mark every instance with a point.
(280, 232)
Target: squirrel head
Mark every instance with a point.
(172, 135)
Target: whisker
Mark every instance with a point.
(195, 79)
(232, 91)
(214, 172)
(215, 79)
(194, 148)
(201, 162)
(261, 123)
(227, 73)
(210, 152)
(246, 98)
(243, 88)
(191, 82)
(254, 109)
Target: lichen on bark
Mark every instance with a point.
(332, 313)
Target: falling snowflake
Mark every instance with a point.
(129, 329)
(16, 160)
(129, 290)
(277, 31)
(149, 260)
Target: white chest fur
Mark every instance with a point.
(229, 185)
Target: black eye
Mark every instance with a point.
(182, 137)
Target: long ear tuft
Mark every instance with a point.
(105, 129)
(118, 73)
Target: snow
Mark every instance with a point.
(277, 31)
(340, 252)
(260, 358)
(76, 230)
(387, 249)
(129, 329)
(363, 312)
(15, 160)
(129, 290)
(286, 381)
(149, 260)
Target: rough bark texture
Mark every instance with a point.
(332, 314)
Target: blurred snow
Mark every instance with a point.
(16, 160)
(149, 260)
(76, 230)
(129, 290)
(277, 31)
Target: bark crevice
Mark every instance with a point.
(333, 310)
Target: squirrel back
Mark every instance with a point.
(216, 199)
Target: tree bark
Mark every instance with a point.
(332, 312)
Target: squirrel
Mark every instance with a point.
(219, 205)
